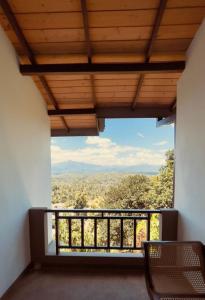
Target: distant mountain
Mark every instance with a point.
(75, 167)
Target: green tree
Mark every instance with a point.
(131, 192)
(81, 201)
(161, 193)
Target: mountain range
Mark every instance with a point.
(76, 167)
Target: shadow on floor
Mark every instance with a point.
(61, 284)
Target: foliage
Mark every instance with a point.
(161, 193)
(131, 192)
(114, 191)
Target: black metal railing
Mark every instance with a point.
(64, 231)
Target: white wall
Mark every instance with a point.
(24, 162)
(190, 143)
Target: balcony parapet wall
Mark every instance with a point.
(38, 219)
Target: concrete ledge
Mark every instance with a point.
(96, 259)
(93, 258)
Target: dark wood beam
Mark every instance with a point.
(28, 51)
(138, 89)
(71, 111)
(166, 121)
(119, 68)
(101, 124)
(86, 30)
(173, 105)
(148, 52)
(155, 29)
(115, 112)
(75, 132)
(89, 53)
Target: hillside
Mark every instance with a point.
(79, 168)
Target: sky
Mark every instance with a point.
(124, 142)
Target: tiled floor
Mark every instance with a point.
(56, 284)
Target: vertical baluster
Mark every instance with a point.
(134, 234)
(95, 233)
(102, 223)
(67, 221)
(148, 227)
(108, 233)
(82, 232)
(70, 232)
(122, 233)
(57, 232)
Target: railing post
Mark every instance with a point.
(57, 232)
(168, 224)
(38, 234)
(148, 226)
(135, 234)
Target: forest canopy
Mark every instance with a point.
(114, 191)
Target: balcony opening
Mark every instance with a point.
(108, 190)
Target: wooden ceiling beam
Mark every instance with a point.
(101, 124)
(75, 132)
(115, 112)
(166, 121)
(118, 68)
(148, 52)
(89, 52)
(155, 29)
(28, 51)
(173, 105)
(86, 30)
(71, 111)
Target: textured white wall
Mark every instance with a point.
(190, 143)
(24, 162)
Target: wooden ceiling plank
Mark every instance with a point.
(40, 6)
(46, 6)
(14, 24)
(185, 3)
(183, 15)
(163, 76)
(134, 49)
(101, 19)
(16, 28)
(160, 81)
(102, 5)
(58, 84)
(35, 36)
(105, 58)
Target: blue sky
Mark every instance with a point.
(123, 142)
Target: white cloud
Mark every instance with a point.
(98, 141)
(140, 134)
(103, 152)
(162, 143)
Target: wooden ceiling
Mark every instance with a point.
(67, 33)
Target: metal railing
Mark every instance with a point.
(97, 218)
